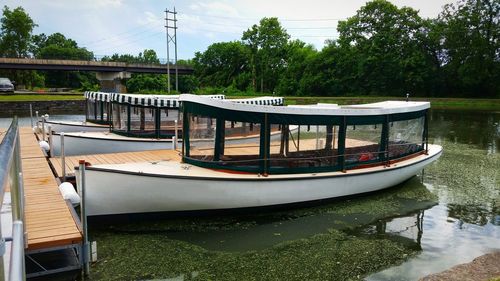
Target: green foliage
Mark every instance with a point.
(470, 33)
(15, 33)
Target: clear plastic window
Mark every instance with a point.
(142, 121)
(405, 137)
(362, 143)
(304, 146)
(201, 137)
(120, 117)
(167, 121)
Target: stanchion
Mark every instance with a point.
(176, 134)
(51, 143)
(63, 158)
(83, 214)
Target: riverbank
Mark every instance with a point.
(483, 268)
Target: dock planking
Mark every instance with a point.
(49, 222)
(114, 158)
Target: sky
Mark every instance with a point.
(106, 27)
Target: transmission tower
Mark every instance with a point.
(171, 23)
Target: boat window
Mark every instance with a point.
(405, 137)
(120, 117)
(295, 147)
(90, 110)
(362, 144)
(142, 121)
(98, 109)
(167, 122)
(201, 137)
(239, 145)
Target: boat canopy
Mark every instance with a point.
(296, 139)
(97, 107)
(157, 116)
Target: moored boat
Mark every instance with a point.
(138, 122)
(296, 154)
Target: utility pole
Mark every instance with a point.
(171, 39)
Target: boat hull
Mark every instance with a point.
(78, 144)
(71, 126)
(114, 191)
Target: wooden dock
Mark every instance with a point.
(49, 221)
(114, 158)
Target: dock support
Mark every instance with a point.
(83, 214)
(63, 159)
(37, 126)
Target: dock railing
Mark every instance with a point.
(11, 180)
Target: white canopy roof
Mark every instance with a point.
(379, 108)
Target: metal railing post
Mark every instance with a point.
(37, 126)
(43, 128)
(83, 214)
(31, 115)
(51, 143)
(63, 158)
(176, 134)
(17, 267)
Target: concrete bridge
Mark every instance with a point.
(109, 74)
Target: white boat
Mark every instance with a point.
(336, 151)
(138, 122)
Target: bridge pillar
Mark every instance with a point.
(112, 81)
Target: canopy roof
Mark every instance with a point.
(260, 101)
(380, 108)
(97, 96)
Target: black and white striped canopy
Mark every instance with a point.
(97, 96)
(277, 101)
(170, 101)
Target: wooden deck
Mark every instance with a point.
(49, 222)
(114, 158)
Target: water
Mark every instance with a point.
(447, 216)
(26, 121)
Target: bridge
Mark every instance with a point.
(97, 66)
(108, 73)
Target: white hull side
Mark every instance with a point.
(70, 127)
(80, 145)
(110, 192)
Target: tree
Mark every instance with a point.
(470, 40)
(389, 52)
(267, 42)
(222, 65)
(298, 57)
(15, 33)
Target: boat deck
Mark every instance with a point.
(49, 221)
(114, 158)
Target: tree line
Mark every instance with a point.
(381, 50)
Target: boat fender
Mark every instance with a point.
(44, 145)
(68, 192)
(37, 130)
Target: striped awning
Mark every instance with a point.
(97, 96)
(169, 101)
(261, 101)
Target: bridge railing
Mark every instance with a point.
(11, 180)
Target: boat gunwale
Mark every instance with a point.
(306, 176)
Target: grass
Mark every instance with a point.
(40, 97)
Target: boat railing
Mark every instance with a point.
(11, 181)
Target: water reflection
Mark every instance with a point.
(480, 128)
(445, 242)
